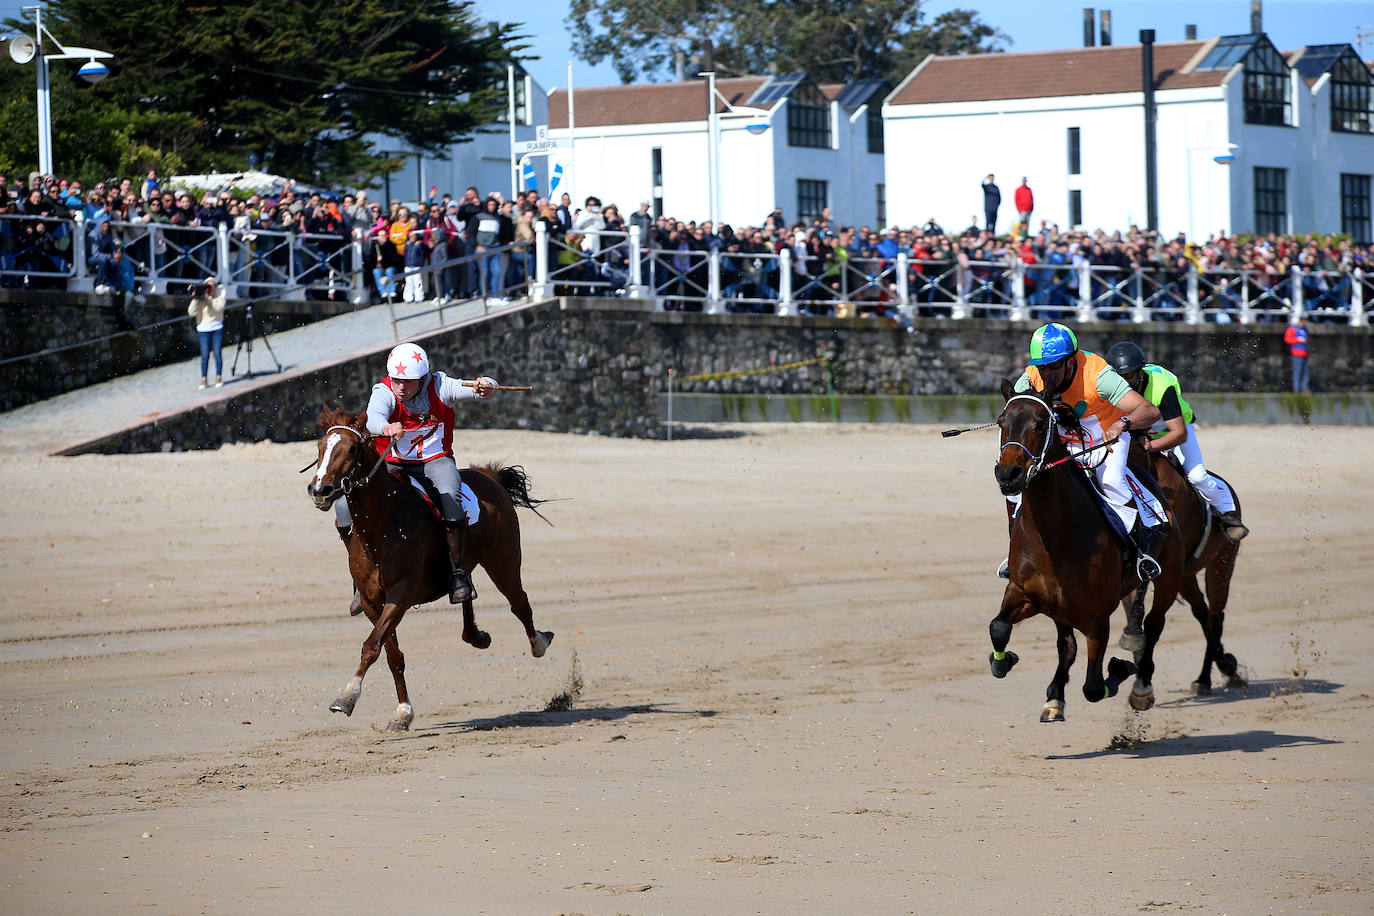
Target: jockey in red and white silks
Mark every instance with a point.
(413, 408)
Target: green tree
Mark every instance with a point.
(829, 40)
(298, 84)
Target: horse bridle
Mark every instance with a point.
(1037, 461)
(350, 480)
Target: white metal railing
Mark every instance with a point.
(60, 253)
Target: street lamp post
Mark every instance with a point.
(758, 123)
(23, 49)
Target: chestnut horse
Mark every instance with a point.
(397, 554)
(1206, 550)
(1065, 561)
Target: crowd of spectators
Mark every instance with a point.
(309, 235)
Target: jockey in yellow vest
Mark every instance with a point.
(1107, 407)
(1175, 430)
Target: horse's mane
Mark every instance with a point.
(337, 416)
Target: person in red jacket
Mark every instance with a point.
(1296, 338)
(1025, 203)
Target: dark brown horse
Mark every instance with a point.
(1207, 550)
(1065, 561)
(397, 553)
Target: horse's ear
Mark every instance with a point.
(360, 422)
(1006, 388)
(323, 421)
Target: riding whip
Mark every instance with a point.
(967, 429)
(500, 387)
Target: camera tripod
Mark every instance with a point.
(247, 338)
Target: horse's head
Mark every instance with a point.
(343, 450)
(1028, 424)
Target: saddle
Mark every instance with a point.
(1210, 516)
(428, 492)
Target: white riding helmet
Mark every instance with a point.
(407, 361)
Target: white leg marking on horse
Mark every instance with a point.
(354, 689)
(1141, 688)
(329, 444)
(405, 714)
(539, 645)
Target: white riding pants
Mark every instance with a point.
(456, 502)
(1214, 491)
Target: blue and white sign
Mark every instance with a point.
(527, 174)
(555, 177)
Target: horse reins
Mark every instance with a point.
(1038, 462)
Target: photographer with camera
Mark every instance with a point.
(207, 308)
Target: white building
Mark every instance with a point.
(484, 161)
(1248, 139)
(783, 142)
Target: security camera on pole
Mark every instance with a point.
(24, 49)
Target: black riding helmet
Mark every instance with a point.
(1126, 357)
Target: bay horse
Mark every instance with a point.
(397, 554)
(1206, 550)
(1065, 560)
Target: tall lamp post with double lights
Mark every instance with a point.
(24, 49)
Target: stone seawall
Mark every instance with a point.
(34, 322)
(601, 366)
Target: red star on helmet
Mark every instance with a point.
(400, 367)
(416, 356)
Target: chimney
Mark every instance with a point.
(1256, 17)
(680, 65)
(1147, 80)
(1106, 30)
(1190, 32)
(708, 62)
(1089, 27)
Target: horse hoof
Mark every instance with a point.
(480, 641)
(343, 705)
(540, 644)
(1236, 681)
(1132, 642)
(1053, 711)
(1142, 701)
(1120, 669)
(1201, 689)
(396, 726)
(1002, 666)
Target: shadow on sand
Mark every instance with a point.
(1255, 690)
(1252, 742)
(563, 717)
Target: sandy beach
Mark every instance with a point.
(775, 638)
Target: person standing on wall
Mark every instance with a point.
(207, 308)
(1296, 338)
(1025, 204)
(992, 200)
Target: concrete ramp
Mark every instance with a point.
(152, 406)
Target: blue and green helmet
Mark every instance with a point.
(1051, 343)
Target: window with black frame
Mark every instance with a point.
(1271, 200)
(811, 198)
(1268, 89)
(1352, 95)
(808, 118)
(1355, 207)
(875, 125)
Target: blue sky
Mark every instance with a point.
(1033, 26)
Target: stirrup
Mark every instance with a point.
(1147, 567)
(1004, 571)
(460, 587)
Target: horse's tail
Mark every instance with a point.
(517, 485)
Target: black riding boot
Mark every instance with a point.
(355, 607)
(1233, 527)
(460, 586)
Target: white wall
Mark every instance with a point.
(757, 171)
(940, 154)
(1339, 152)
